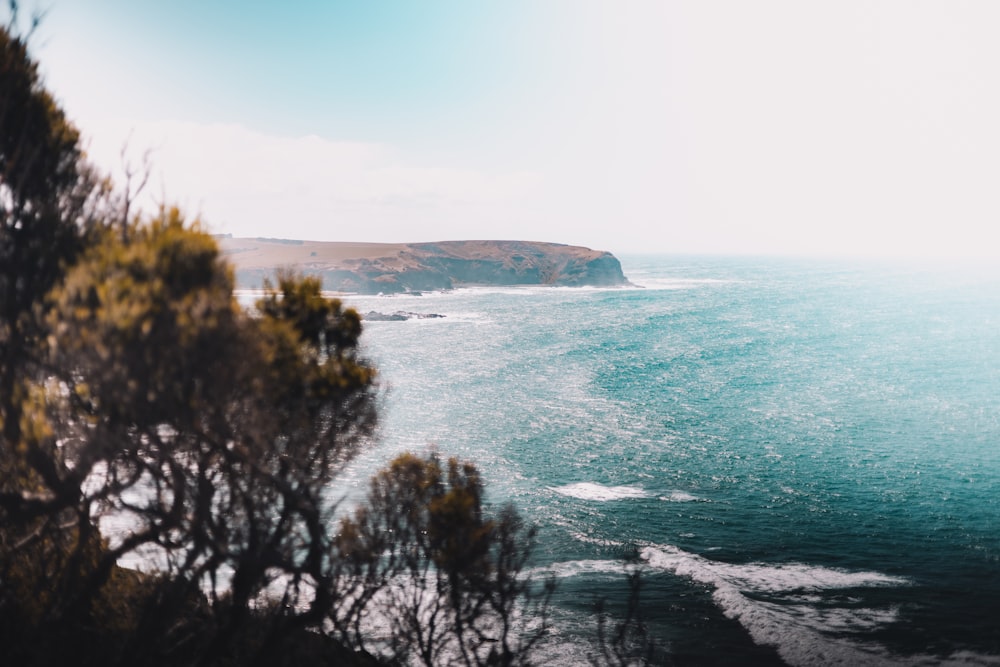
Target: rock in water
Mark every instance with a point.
(398, 316)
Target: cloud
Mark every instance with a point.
(246, 182)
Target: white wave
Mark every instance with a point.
(678, 283)
(530, 289)
(599, 492)
(802, 631)
(680, 497)
(504, 290)
(589, 539)
(764, 578)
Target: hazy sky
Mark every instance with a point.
(729, 126)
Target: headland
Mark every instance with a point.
(373, 268)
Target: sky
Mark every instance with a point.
(780, 127)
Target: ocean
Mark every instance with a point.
(802, 457)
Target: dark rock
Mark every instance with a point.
(398, 316)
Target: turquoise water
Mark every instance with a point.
(804, 455)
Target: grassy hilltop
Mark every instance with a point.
(370, 268)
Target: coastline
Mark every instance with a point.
(374, 268)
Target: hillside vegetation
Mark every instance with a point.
(372, 268)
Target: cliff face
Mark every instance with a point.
(393, 268)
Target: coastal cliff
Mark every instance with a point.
(371, 268)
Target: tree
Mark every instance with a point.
(212, 433)
(423, 553)
(50, 201)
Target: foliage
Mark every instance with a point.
(422, 553)
(146, 417)
(210, 432)
(48, 198)
(49, 201)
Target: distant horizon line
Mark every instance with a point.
(902, 257)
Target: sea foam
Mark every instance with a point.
(680, 497)
(781, 605)
(789, 619)
(599, 492)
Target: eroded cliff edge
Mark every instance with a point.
(371, 268)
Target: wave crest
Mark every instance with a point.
(803, 631)
(599, 492)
